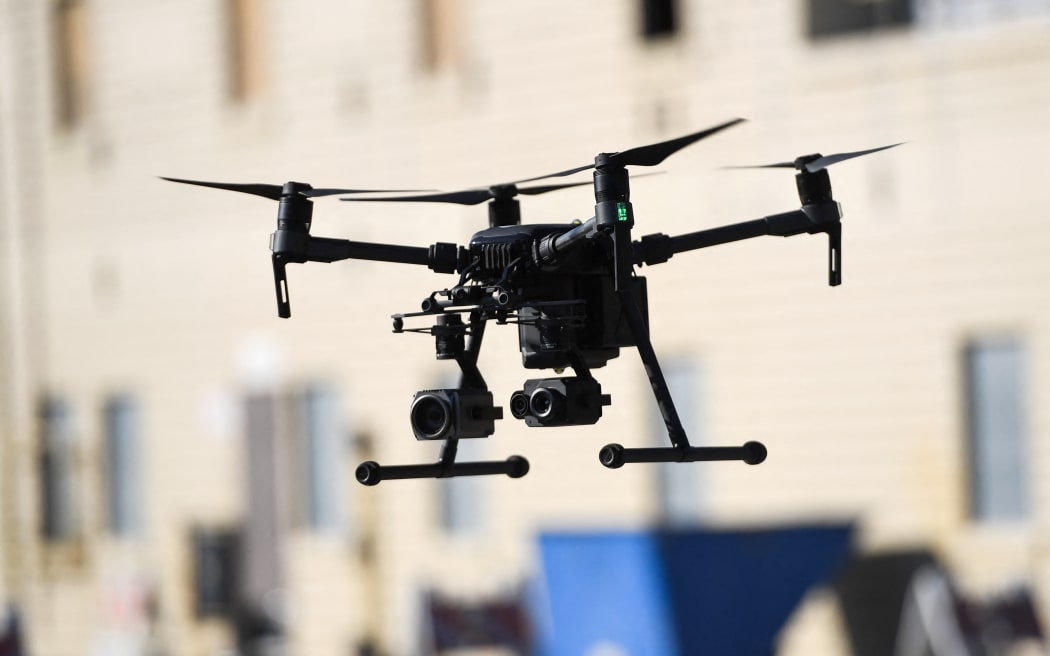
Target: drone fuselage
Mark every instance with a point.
(565, 308)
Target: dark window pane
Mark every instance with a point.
(324, 460)
(659, 18)
(679, 486)
(263, 523)
(462, 497)
(441, 24)
(57, 502)
(831, 17)
(123, 467)
(215, 557)
(71, 61)
(244, 48)
(997, 430)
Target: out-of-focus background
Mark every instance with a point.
(177, 463)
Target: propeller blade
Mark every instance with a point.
(535, 190)
(464, 197)
(475, 196)
(317, 193)
(542, 189)
(779, 165)
(828, 160)
(559, 174)
(650, 155)
(818, 162)
(656, 153)
(272, 192)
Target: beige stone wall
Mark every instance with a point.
(117, 281)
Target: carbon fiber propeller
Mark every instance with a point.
(816, 162)
(274, 192)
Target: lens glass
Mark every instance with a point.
(541, 402)
(431, 416)
(519, 405)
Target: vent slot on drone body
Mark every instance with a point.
(496, 256)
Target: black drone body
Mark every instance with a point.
(565, 307)
(571, 289)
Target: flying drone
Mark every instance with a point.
(571, 289)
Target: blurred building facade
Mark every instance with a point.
(170, 447)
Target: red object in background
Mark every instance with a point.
(500, 622)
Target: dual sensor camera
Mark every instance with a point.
(441, 414)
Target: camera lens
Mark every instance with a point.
(519, 405)
(545, 402)
(431, 416)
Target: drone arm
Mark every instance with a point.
(323, 249)
(818, 217)
(658, 248)
(654, 249)
(293, 246)
(299, 246)
(440, 257)
(551, 247)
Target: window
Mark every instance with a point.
(123, 467)
(834, 17)
(461, 497)
(946, 13)
(72, 66)
(659, 18)
(997, 429)
(461, 508)
(215, 565)
(441, 25)
(297, 467)
(57, 471)
(679, 484)
(323, 488)
(265, 453)
(244, 48)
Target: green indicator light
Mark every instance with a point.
(621, 212)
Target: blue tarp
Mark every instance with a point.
(673, 593)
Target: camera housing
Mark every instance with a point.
(585, 317)
(441, 414)
(568, 401)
